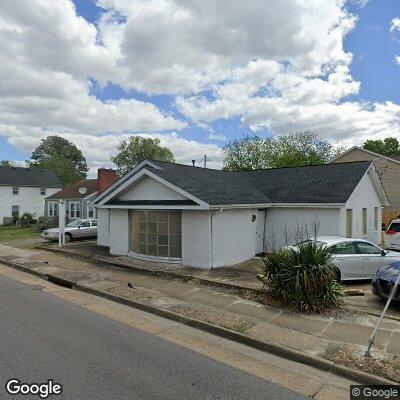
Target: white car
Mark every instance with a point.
(77, 229)
(356, 258)
(392, 237)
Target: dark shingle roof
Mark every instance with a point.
(18, 176)
(72, 191)
(327, 183)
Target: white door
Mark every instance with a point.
(260, 231)
(346, 258)
(373, 258)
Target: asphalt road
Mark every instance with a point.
(43, 337)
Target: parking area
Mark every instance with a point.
(369, 302)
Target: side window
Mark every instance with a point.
(85, 224)
(344, 248)
(94, 222)
(368, 248)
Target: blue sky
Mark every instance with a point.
(214, 112)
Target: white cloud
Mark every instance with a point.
(281, 67)
(48, 53)
(395, 25)
(217, 136)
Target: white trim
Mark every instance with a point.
(127, 176)
(224, 207)
(69, 209)
(90, 195)
(168, 260)
(153, 207)
(365, 151)
(145, 172)
(53, 203)
(94, 212)
(377, 183)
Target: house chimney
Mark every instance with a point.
(105, 178)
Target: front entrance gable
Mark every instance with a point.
(148, 189)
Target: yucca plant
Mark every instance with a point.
(303, 277)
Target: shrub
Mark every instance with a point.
(303, 277)
(26, 220)
(46, 223)
(28, 217)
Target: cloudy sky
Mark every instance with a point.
(196, 73)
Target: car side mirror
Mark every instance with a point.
(384, 252)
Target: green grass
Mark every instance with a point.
(13, 233)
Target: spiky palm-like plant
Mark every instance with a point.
(303, 277)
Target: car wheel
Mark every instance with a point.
(68, 237)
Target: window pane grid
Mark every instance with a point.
(156, 233)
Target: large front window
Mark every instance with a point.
(156, 233)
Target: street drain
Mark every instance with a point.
(60, 282)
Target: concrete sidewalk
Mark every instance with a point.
(309, 334)
(241, 275)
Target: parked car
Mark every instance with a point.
(385, 279)
(392, 235)
(77, 229)
(356, 258)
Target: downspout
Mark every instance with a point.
(211, 237)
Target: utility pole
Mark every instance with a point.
(205, 161)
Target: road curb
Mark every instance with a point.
(272, 348)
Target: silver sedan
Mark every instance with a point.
(77, 229)
(356, 258)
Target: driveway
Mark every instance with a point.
(369, 302)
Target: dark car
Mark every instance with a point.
(385, 279)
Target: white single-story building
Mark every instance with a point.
(210, 218)
(23, 190)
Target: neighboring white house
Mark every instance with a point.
(24, 190)
(210, 218)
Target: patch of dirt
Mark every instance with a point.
(352, 356)
(235, 322)
(136, 294)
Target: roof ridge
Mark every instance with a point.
(262, 169)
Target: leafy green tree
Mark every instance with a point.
(137, 149)
(389, 147)
(295, 149)
(7, 163)
(62, 157)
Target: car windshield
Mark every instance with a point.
(74, 224)
(318, 242)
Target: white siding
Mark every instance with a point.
(234, 235)
(150, 189)
(196, 239)
(103, 229)
(119, 232)
(288, 225)
(364, 196)
(28, 199)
